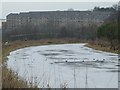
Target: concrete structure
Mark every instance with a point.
(60, 17)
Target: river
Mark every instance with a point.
(65, 65)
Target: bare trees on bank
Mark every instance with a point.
(51, 30)
(109, 32)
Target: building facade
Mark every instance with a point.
(14, 21)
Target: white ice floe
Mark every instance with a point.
(65, 65)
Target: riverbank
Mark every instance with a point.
(98, 47)
(10, 79)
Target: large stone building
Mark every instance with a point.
(60, 17)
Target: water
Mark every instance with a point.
(65, 65)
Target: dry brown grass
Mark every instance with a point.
(10, 80)
(98, 47)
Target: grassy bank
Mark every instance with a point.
(98, 47)
(10, 79)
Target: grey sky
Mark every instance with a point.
(60, 0)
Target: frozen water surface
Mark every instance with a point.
(65, 65)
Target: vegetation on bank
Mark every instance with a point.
(11, 80)
(97, 46)
(108, 33)
(51, 30)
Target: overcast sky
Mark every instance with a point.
(60, 0)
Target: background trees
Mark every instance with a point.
(109, 30)
(52, 29)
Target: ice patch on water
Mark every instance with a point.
(65, 65)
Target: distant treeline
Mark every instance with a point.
(104, 9)
(51, 30)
